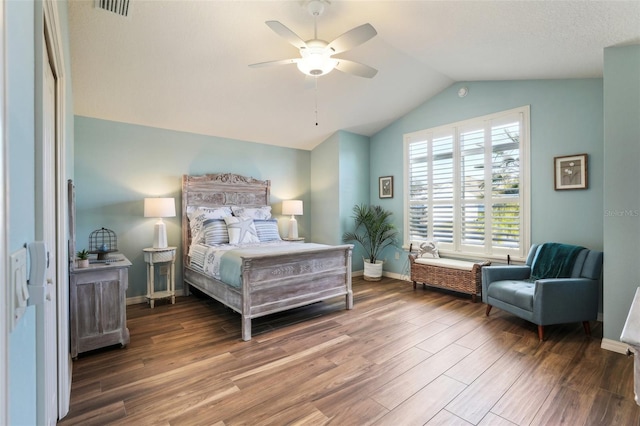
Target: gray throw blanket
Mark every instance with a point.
(554, 260)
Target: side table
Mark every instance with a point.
(98, 306)
(153, 256)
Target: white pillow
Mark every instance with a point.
(241, 230)
(263, 212)
(429, 249)
(202, 214)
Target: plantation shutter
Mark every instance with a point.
(465, 185)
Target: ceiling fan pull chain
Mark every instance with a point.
(316, 95)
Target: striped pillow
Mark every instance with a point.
(267, 230)
(198, 216)
(215, 232)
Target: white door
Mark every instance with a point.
(46, 315)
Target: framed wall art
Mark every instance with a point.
(385, 186)
(570, 172)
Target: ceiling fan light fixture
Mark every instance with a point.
(316, 62)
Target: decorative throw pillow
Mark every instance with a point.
(241, 230)
(429, 249)
(198, 216)
(267, 230)
(215, 232)
(263, 212)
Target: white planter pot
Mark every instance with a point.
(82, 263)
(372, 271)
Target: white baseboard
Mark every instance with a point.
(136, 299)
(395, 275)
(614, 346)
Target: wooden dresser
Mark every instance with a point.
(97, 306)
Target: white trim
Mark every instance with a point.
(614, 346)
(51, 28)
(4, 226)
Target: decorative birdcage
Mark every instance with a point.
(102, 242)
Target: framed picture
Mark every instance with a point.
(385, 187)
(570, 172)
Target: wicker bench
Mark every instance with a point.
(450, 274)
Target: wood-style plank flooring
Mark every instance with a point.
(400, 357)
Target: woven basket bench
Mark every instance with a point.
(450, 274)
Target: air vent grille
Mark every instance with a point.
(119, 7)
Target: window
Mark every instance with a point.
(467, 186)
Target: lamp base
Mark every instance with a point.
(160, 235)
(293, 228)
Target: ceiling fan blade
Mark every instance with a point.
(286, 33)
(270, 63)
(356, 68)
(352, 38)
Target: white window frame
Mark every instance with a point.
(457, 249)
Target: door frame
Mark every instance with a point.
(48, 24)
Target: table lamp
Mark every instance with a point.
(159, 207)
(293, 208)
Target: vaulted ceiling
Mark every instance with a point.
(183, 64)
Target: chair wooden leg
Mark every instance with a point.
(414, 285)
(488, 309)
(541, 332)
(587, 327)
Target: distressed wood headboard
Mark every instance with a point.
(219, 189)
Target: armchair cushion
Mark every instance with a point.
(516, 293)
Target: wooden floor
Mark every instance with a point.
(400, 357)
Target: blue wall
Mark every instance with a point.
(622, 175)
(21, 137)
(325, 196)
(339, 180)
(118, 165)
(566, 118)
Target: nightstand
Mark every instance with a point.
(294, 240)
(97, 306)
(166, 258)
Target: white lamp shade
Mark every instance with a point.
(159, 207)
(292, 207)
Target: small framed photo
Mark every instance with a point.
(385, 186)
(570, 172)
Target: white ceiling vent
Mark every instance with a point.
(119, 7)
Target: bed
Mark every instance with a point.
(270, 279)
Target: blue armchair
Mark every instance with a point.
(558, 284)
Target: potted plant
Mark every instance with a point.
(373, 231)
(83, 259)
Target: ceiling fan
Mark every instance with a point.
(316, 56)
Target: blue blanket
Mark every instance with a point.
(231, 261)
(554, 260)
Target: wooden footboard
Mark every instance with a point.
(276, 283)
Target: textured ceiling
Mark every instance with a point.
(183, 64)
